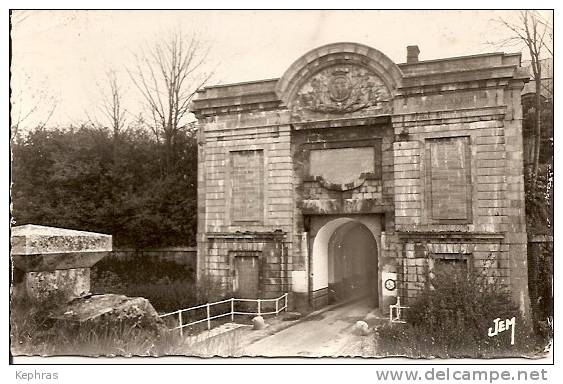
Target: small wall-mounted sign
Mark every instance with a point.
(390, 284)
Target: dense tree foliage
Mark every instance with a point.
(533, 33)
(89, 179)
(539, 184)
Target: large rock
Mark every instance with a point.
(114, 312)
(361, 328)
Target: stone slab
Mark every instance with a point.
(38, 239)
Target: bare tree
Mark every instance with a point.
(30, 106)
(111, 105)
(168, 74)
(111, 115)
(535, 34)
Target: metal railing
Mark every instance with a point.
(232, 312)
(398, 312)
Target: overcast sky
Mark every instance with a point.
(64, 54)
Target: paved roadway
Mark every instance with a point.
(327, 334)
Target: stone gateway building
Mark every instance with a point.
(351, 174)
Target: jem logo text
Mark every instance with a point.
(501, 326)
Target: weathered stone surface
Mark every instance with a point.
(110, 312)
(38, 239)
(60, 284)
(56, 261)
(247, 186)
(341, 89)
(342, 165)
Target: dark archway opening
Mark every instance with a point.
(352, 263)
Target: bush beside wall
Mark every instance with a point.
(451, 316)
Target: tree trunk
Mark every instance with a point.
(168, 152)
(537, 135)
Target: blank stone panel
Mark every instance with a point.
(448, 177)
(247, 176)
(342, 165)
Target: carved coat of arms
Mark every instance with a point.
(342, 90)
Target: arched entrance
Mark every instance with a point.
(344, 261)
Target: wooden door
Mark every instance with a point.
(247, 275)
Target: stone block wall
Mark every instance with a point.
(487, 159)
(374, 195)
(270, 249)
(485, 253)
(245, 194)
(476, 197)
(448, 163)
(370, 189)
(221, 213)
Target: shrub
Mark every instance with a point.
(452, 314)
(167, 285)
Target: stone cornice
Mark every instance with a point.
(341, 122)
(248, 235)
(451, 236)
(448, 116)
(471, 73)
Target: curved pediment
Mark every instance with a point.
(338, 79)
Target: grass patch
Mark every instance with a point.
(423, 342)
(34, 332)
